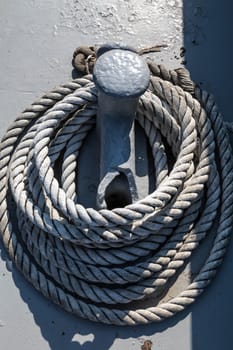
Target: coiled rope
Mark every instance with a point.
(100, 264)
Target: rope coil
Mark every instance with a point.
(99, 264)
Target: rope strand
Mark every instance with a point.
(98, 264)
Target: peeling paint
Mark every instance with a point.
(124, 20)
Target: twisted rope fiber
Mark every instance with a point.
(100, 264)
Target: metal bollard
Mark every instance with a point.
(121, 77)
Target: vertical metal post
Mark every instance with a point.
(121, 77)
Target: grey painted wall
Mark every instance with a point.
(37, 39)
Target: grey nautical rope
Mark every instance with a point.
(99, 264)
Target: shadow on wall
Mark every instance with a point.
(209, 51)
(208, 29)
(64, 331)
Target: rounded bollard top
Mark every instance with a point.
(113, 46)
(121, 73)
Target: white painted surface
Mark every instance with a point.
(37, 39)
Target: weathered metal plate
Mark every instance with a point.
(37, 39)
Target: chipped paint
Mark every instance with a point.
(141, 22)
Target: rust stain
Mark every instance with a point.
(147, 345)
